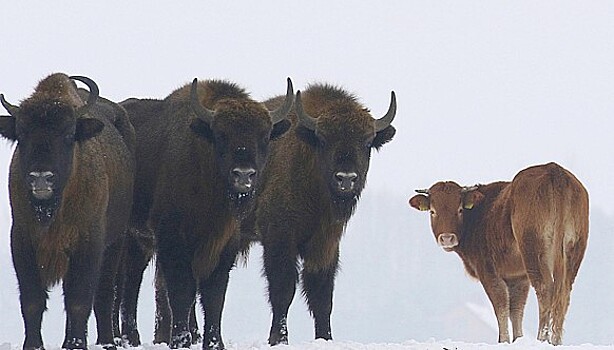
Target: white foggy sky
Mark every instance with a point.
(484, 88)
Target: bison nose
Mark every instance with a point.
(243, 179)
(447, 241)
(41, 183)
(346, 181)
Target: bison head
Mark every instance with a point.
(46, 128)
(446, 202)
(343, 133)
(240, 130)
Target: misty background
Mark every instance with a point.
(484, 90)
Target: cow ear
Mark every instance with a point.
(202, 129)
(472, 198)
(7, 128)
(87, 128)
(420, 202)
(383, 137)
(280, 128)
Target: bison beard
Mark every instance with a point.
(44, 209)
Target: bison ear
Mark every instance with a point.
(202, 129)
(472, 198)
(7, 128)
(87, 128)
(280, 128)
(383, 137)
(420, 202)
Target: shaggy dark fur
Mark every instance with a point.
(301, 212)
(66, 225)
(186, 192)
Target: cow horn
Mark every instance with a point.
(280, 113)
(422, 191)
(466, 189)
(9, 107)
(304, 119)
(93, 96)
(197, 107)
(383, 122)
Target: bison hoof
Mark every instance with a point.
(181, 340)
(131, 339)
(196, 337)
(75, 343)
(278, 338)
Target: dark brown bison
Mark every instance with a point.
(311, 185)
(70, 187)
(200, 153)
(510, 235)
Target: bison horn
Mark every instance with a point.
(200, 111)
(93, 96)
(9, 107)
(383, 122)
(280, 113)
(304, 119)
(422, 191)
(466, 189)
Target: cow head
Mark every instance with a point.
(46, 127)
(240, 130)
(343, 133)
(446, 202)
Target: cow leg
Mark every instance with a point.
(105, 299)
(518, 289)
(136, 260)
(32, 295)
(212, 297)
(282, 275)
(175, 258)
(80, 284)
(497, 292)
(318, 288)
(541, 279)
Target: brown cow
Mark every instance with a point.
(510, 235)
(70, 186)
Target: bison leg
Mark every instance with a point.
(518, 291)
(175, 259)
(212, 297)
(79, 286)
(164, 319)
(282, 275)
(497, 292)
(136, 260)
(318, 288)
(104, 303)
(32, 295)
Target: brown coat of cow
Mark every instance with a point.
(511, 235)
(70, 185)
(200, 152)
(311, 185)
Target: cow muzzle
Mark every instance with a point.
(41, 184)
(447, 241)
(243, 179)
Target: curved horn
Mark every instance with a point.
(280, 113)
(13, 110)
(304, 119)
(93, 96)
(383, 122)
(422, 191)
(200, 111)
(466, 189)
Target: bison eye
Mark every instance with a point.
(69, 139)
(432, 212)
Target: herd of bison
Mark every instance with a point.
(97, 188)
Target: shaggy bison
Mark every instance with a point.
(200, 153)
(311, 185)
(70, 187)
(510, 235)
